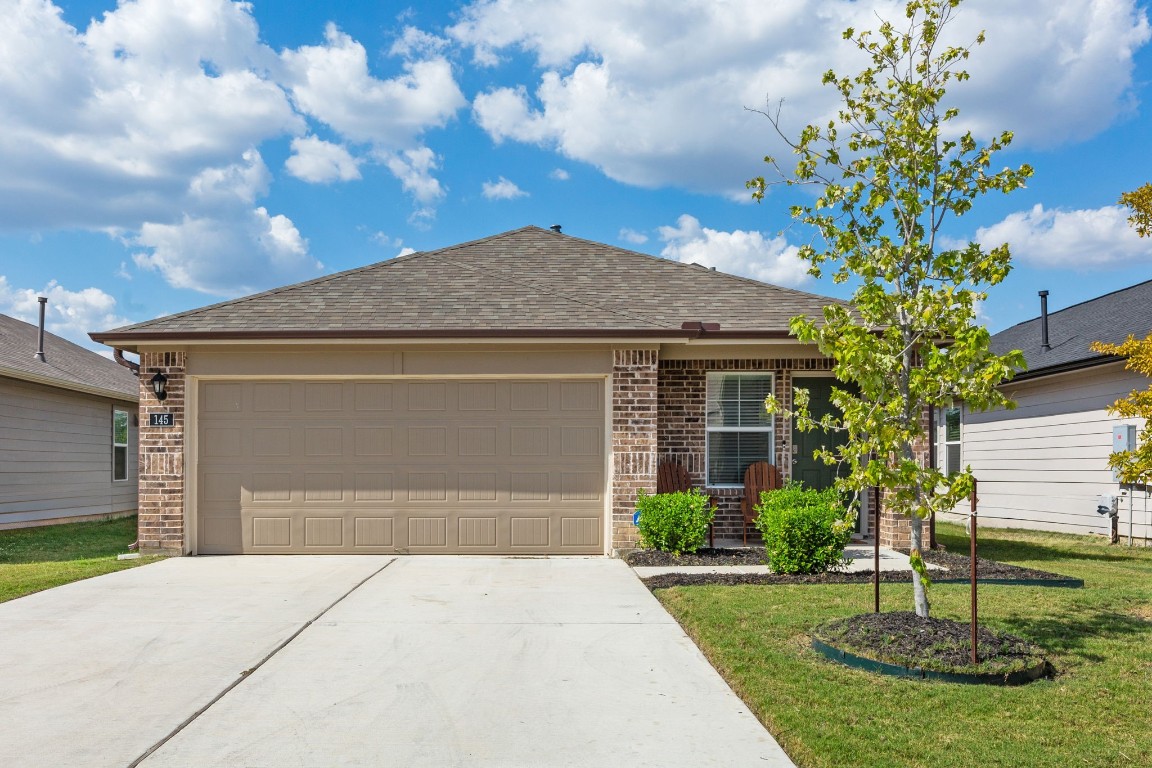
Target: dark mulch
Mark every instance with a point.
(957, 566)
(705, 556)
(943, 645)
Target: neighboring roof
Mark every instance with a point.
(65, 365)
(527, 282)
(1109, 318)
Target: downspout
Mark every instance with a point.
(118, 356)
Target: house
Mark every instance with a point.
(506, 395)
(67, 430)
(1044, 465)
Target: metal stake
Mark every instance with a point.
(876, 552)
(972, 557)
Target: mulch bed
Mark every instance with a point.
(903, 638)
(957, 565)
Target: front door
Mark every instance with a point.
(813, 472)
(810, 471)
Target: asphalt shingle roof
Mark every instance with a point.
(65, 364)
(1110, 318)
(529, 279)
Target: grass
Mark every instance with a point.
(34, 559)
(1095, 712)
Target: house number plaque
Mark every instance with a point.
(160, 420)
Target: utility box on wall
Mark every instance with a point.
(1123, 439)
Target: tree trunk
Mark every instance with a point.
(919, 594)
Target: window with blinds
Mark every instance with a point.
(739, 427)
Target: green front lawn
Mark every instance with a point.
(32, 559)
(1096, 712)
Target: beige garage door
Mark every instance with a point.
(428, 466)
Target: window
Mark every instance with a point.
(948, 455)
(739, 428)
(119, 444)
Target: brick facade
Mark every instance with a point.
(161, 507)
(681, 403)
(681, 423)
(634, 419)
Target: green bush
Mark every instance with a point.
(674, 522)
(805, 531)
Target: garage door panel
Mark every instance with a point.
(580, 532)
(477, 532)
(374, 486)
(324, 532)
(532, 532)
(420, 466)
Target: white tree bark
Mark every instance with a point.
(919, 594)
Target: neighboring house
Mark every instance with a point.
(67, 431)
(511, 394)
(1044, 465)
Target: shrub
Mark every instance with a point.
(805, 530)
(673, 522)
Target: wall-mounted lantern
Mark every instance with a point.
(159, 382)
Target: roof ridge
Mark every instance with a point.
(510, 277)
(713, 270)
(659, 259)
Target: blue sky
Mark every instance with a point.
(160, 155)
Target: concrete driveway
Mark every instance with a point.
(363, 661)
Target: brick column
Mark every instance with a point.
(634, 374)
(161, 478)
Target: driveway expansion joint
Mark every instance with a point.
(245, 674)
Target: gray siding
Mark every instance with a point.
(1043, 465)
(56, 455)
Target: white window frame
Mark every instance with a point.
(124, 445)
(943, 442)
(712, 379)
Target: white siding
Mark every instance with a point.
(1043, 465)
(56, 455)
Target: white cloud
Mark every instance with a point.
(71, 314)
(654, 93)
(406, 251)
(559, 174)
(749, 254)
(414, 168)
(227, 256)
(320, 161)
(417, 42)
(331, 82)
(106, 127)
(147, 123)
(1076, 239)
(632, 236)
(501, 189)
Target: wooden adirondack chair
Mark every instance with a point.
(672, 476)
(760, 476)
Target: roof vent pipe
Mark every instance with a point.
(555, 228)
(40, 344)
(1044, 345)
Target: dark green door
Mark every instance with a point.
(814, 473)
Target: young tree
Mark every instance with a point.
(1135, 466)
(889, 173)
(1139, 201)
